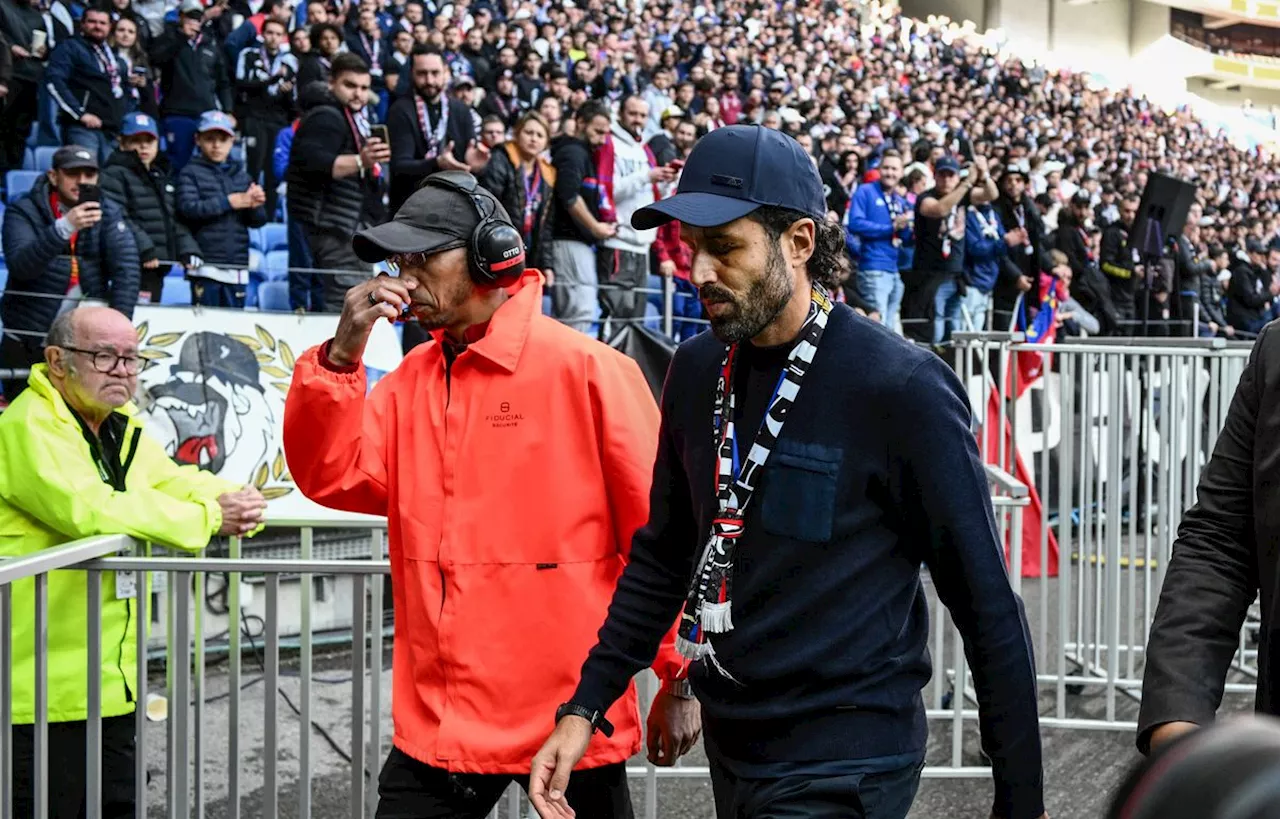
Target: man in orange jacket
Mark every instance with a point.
(512, 459)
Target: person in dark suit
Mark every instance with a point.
(1223, 558)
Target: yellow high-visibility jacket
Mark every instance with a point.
(51, 493)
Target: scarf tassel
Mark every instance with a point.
(692, 650)
(717, 618)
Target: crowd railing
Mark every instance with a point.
(1112, 436)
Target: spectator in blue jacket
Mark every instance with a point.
(985, 251)
(880, 219)
(219, 203)
(87, 82)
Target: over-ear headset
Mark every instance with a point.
(495, 252)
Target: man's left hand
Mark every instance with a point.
(673, 728)
(477, 156)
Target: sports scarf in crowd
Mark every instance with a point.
(708, 605)
(603, 181)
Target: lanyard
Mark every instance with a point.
(435, 138)
(374, 50)
(532, 198)
(707, 606)
(895, 210)
(990, 224)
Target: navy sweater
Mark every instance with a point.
(876, 472)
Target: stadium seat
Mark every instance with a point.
(255, 243)
(17, 183)
(28, 159)
(277, 266)
(274, 295)
(274, 236)
(176, 291)
(43, 156)
(256, 261)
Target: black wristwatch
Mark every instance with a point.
(596, 718)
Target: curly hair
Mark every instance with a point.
(829, 263)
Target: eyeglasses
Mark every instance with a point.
(105, 361)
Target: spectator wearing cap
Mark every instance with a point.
(194, 78)
(430, 131)
(1021, 221)
(880, 220)
(1252, 288)
(663, 141)
(139, 179)
(502, 101)
(86, 80)
(804, 616)
(934, 285)
(264, 76)
(522, 591)
(335, 180)
(219, 203)
(58, 247)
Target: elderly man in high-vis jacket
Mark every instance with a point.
(74, 463)
(512, 459)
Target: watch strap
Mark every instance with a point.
(680, 689)
(591, 715)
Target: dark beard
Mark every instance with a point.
(765, 299)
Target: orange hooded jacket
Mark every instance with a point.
(511, 488)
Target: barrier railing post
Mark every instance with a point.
(357, 694)
(271, 699)
(93, 717)
(307, 535)
(233, 681)
(40, 770)
(6, 701)
(668, 306)
(180, 698)
(375, 665)
(143, 621)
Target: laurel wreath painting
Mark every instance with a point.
(275, 359)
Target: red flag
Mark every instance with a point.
(1040, 330)
(1031, 514)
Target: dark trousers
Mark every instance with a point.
(66, 771)
(331, 253)
(16, 115)
(622, 271)
(409, 789)
(856, 796)
(306, 289)
(259, 145)
(210, 293)
(18, 353)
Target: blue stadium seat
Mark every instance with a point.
(176, 291)
(277, 266)
(274, 236)
(256, 260)
(17, 183)
(274, 295)
(43, 156)
(4, 275)
(255, 242)
(28, 159)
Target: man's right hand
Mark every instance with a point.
(375, 152)
(549, 777)
(1164, 734)
(84, 215)
(448, 162)
(242, 511)
(90, 121)
(662, 173)
(360, 312)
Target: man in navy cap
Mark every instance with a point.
(806, 619)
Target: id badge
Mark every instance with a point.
(126, 585)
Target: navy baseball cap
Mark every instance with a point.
(734, 171)
(135, 124)
(945, 165)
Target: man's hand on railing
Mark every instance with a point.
(242, 511)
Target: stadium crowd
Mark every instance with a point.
(977, 189)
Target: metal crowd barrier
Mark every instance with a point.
(1115, 434)
(189, 633)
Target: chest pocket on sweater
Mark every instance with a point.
(799, 495)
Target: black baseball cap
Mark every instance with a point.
(74, 157)
(434, 219)
(734, 171)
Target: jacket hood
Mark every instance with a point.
(315, 93)
(621, 134)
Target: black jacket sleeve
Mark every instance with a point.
(1213, 574)
(318, 143)
(652, 588)
(120, 258)
(943, 500)
(1243, 290)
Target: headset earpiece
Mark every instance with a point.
(495, 253)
